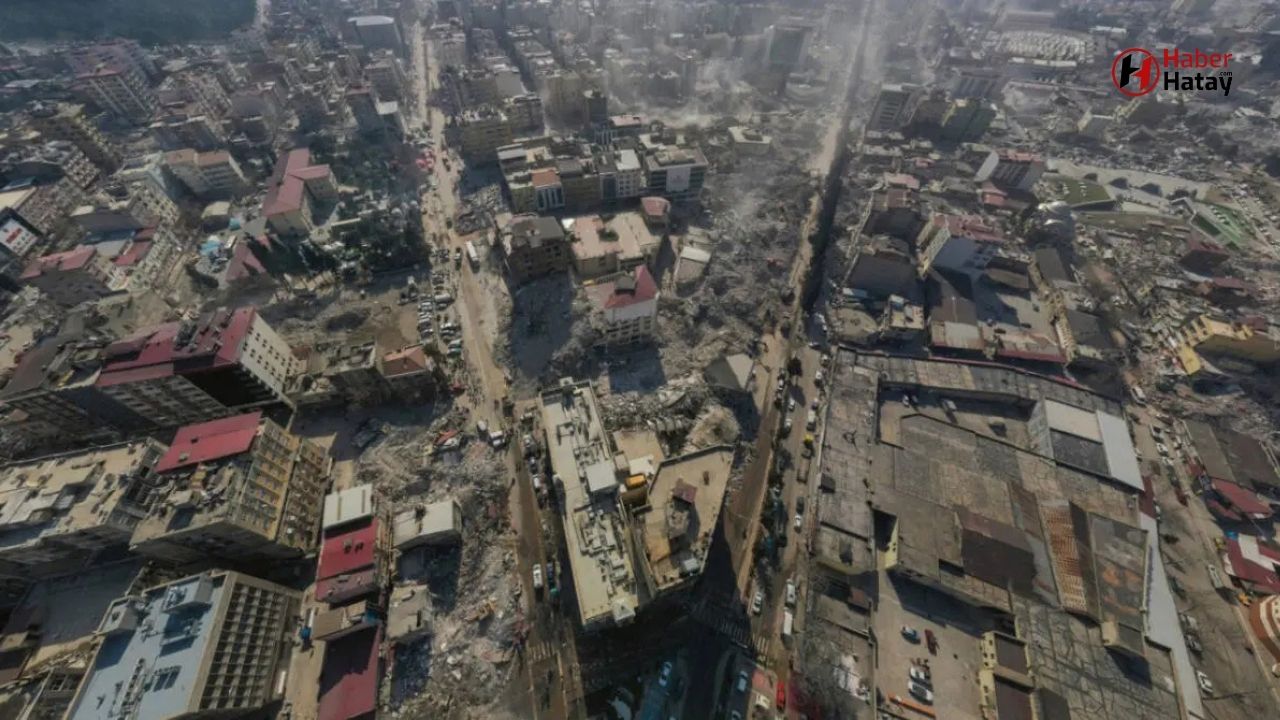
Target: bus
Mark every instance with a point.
(472, 256)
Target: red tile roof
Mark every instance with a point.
(1244, 501)
(1250, 571)
(349, 678)
(72, 259)
(408, 360)
(214, 342)
(243, 263)
(288, 182)
(347, 551)
(643, 288)
(133, 254)
(208, 441)
(545, 177)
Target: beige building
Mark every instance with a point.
(121, 94)
(208, 175)
(207, 646)
(60, 509)
(64, 121)
(244, 488)
(481, 132)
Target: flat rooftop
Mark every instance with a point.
(684, 500)
(54, 497)
(154, 649)
(586, 474)
(980, 511)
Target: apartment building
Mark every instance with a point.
(188, 371)
(1206, 337)
(295, 191)
(120, 94)
(894, 107)
(673, 171)
(44, 204)
(386, 74)
(1011, 169)
(119, 54)
(626, 308)
(957, 242)
(65, 121)
(249, 490)
(59, 510)
(178, 128)
(481, 132)
(533, 246)
(74, 276)
(209, 645)
(208, 175)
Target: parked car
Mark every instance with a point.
(786, 426)
(791, 593)
(664, 676)
(791, 404)
(910, 633)
(932, 641)
(742, 681)
(799, 522)
(920, 692)
(757, 602)
(537, 577)
(919, 674)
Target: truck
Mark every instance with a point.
(473, 257)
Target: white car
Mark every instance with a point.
(1162, 448)
(919, 675)
(757, 602)
(920, 692)
(537, 577)
(791, 404)
(791, 593)
(799, 523)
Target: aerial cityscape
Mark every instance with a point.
(640, 360)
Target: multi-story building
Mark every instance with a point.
(44, 204)
(957, 242)
(377, 32)
(967, 120)
(580, 182)
(386, 74)
(144, 188)
(253, 490)
(179, 128)
(675, 172)
(1011, 169)
(208, 175)
(206, 646)
(481, 132)
(31, 155)
(603, 246)
(119, 54)
(189, 371)
(452, 50)
(894, 106)
(120, 94)
(364, 108)
(626, 309)
(586, 484)
(61, 509)
(533, 246)
(17, 236)
(622, 177)
(1205, 338)
(296, 190)
(524, 111)
(64, 121)
(74, 276)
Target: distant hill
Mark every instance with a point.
(148, 21)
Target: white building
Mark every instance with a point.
(626, 310)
